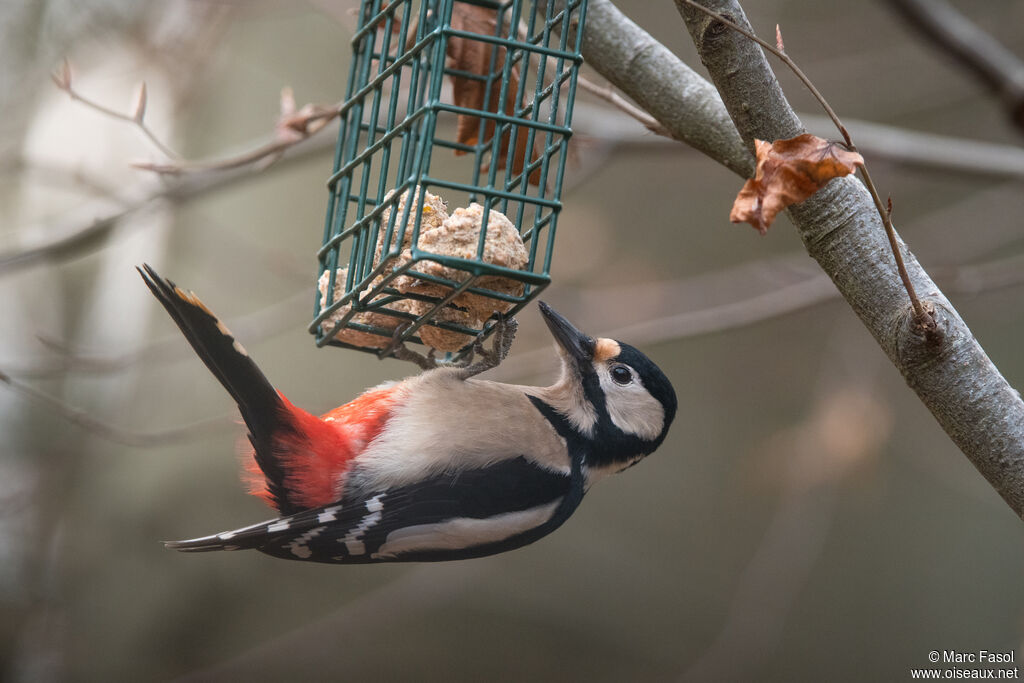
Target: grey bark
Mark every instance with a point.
(839, 226)
(842, 231)
(680, 98)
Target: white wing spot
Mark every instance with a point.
(328, 514)
(279, 526)
(353, 539)
(298, 546)
(228, 535)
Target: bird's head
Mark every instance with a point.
(611, 395)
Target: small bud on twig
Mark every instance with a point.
(140, 104)
(62, 76)
(287, 101)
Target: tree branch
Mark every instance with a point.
(62, 79)
(292, 127)
(922, 313)
(839, 226)
(880, 141)
(83, 229)
(609, 95)
(974, 49)
(676, 95)
(112, 433)
(841, 230)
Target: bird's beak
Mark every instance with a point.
(578, 345)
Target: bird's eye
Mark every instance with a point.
(621, 375)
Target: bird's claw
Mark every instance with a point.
(479, 359)
(400, 351)
(504, 334)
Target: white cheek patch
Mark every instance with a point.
(631, 407)
(465, 532)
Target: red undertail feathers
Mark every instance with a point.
(315, 452)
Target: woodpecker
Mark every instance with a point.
(439, 466)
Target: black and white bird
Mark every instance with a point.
(439, 466)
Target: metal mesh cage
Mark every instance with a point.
(470, 101)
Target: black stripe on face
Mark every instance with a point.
(607, 445)
(359, 530)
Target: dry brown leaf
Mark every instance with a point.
(474, 56)
(788, 172)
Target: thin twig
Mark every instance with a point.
(62, 79)
(765, 303)
(422, 589)
(953, 33)
(109, 432)
(270, 151)
(608, 94)
(291, 129)
(293, 126)
(62, 177)
(91, 225)
(253, 327)
(899, 145)
(784, 57)
(923, 317)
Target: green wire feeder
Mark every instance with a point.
(439, 275)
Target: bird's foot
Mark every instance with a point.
(402, 352)
(479, 359)
(504, 334)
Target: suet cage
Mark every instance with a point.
(470, 101)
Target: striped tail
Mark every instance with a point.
(262, 408)
(252, 536)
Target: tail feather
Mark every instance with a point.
(205, 544)
(239, 539)
(262, 534)
(261, 406)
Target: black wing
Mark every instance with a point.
(454, 516)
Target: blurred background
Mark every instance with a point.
(805, 520)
